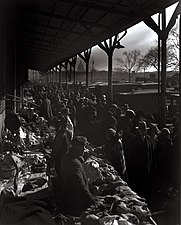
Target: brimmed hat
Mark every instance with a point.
(125, 106)
(111, 132)
(114, 106)
(130, 113)
(150, 117)
(65, 100)
(79, 140)
(142, 125)
(40, 119)
(65, 111)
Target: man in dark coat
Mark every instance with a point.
(46, 108)
(140, 160)
(115, 153)
(74, 191)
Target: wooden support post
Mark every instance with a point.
(60, 74)
(73, 62)
(109, 49)
(74, 77)
(86, 58)
(54, 75)
(57, 75)
(51, 75)
(163, 34)
(179, 83)
(65, 65)
(163, 72)
(70, 71)
(110, 87)
(47, 77)
(159, 80)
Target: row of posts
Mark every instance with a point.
(55, 74)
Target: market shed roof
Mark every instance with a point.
(53, 31)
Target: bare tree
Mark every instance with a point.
(129, 61)
(174, 36)
(143, 64)
(174, 46)
(151, 57)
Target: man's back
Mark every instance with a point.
(74, 190)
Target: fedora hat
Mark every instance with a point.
(142, 125)
(79, 140)
(65, 111)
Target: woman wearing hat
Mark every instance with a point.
(46, 108)
(65, 115)
(62, 141)
(153, 130)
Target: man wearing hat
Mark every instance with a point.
(125, 107)
(74, 193)
(140, 160)
(62, 141)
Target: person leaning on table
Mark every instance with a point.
(74, 192)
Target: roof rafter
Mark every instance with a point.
(71, 19)
(45, 41)
(42, 50)
(93, 5)
(47, 47)
(52, 27)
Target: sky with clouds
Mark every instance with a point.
(139, 37)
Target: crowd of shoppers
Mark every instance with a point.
(143, 155)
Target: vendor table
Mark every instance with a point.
(119, 204)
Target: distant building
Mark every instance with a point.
(80, 67)
(33, 75)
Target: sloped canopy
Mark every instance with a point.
(53, 31)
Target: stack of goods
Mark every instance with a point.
(22, 174)
(23, 170)
(121, 204)
(118, 204)
(23, 163)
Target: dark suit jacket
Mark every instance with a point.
(140, 160)
(74, 191)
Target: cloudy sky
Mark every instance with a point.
(139, 37)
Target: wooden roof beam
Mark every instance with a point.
(51, 27)
(42, 50)
(93, 5)
(71, 19)
(45, 41)
(47, 47)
